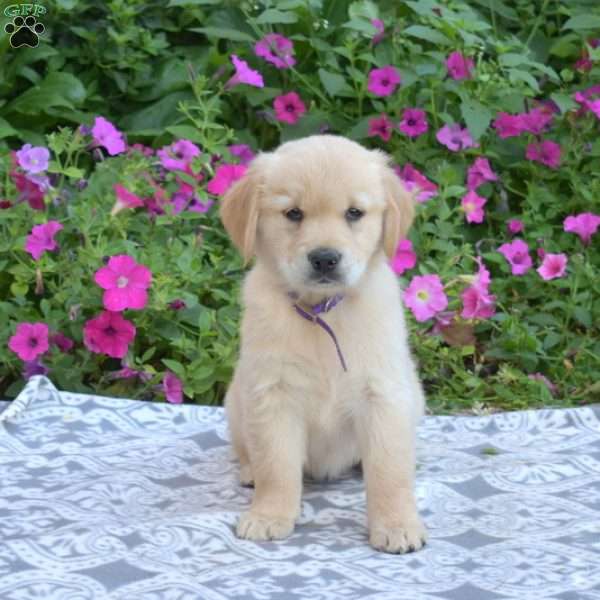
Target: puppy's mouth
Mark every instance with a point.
(325, 280)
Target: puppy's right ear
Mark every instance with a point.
(240, 207)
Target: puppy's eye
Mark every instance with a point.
(354, 214)
(294, 214)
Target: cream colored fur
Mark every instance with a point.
(291, 407)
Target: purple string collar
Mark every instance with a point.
(312, 315)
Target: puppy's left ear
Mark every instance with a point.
(239, 209)
(399, 212)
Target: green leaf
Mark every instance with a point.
(192, 2)
(564, 101)
(364, 8)
(332, 82)
(476, 116)
(148, 354)
(585, 21)
(272, 15)
(186, 132)
(57, 89)
(74, 173)
(224, 33)
(583, 315)
(427, 33)
(174, 366)
(6, 129)
(158, 115)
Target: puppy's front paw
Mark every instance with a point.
(261, 527)
(399, 538)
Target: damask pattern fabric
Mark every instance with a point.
(105, 498)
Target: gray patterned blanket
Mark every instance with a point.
(125, 500)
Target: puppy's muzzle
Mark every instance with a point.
(324, 262)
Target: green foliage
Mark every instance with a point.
(159, 69)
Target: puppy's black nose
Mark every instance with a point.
(324, 260)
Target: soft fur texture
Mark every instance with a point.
(291, 407)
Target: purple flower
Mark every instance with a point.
(107, 135)
(515, 226)
(41, 239)
(379, 25)
(173, 388)
(459, 66)
(455, 138)
(178, 155)
(383, 82)
(546, 152)
(480, 172)
(243, 152)
(33, 159)
(381, 126)
(517, 255)
(414, 122)
(277, 50)
(244, 74)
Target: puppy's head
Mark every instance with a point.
(318, 211)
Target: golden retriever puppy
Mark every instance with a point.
(325, 378)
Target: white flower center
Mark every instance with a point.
(122, 281)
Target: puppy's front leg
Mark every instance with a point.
(275, 439)
(386, 437)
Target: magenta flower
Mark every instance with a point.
(589, 100)
(382, 127)
(414, 122)
(244, 74)
(125, 199)
(478, 303)
(473, 205)
(584, 225)
(125, 282)
(404, 258)
(415, 180)
(515, 226)
(277, 50)
(173, 388)
(33, 159)
(41, 239)
(109, 333)
(29, 341)
(459, 66)
(455, 138)
(384, 81)
(517, 255)
(107, 135)
(480, 172)
(508, 125)
(225, 176)
(546, 152)
(553, 266)
(62, 341)
(536, 120)
(425, 296)
(178, 155)
(289, 108)
(380, 27)
(243, 152)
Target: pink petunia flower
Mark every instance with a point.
(415, 180)
(33, 159)
(478, 303)
(29, 341)
(125, 199)
(243, 152)
(473, 205)
(589, 100)
(125, 282)
(517, 255)
(425, 296)
(380, 27)
(414, 122)
(546, 152)
(107, 135)
(584, 225)
(480, 172)
(244, 74)
(553, 266)
(28, 190)
(404, 258)
(384, 81)
(536, 120)
(459, 66)
(109, 333)
(508, 125)
(277, 50)
(585, 63)
(455, 138)
(515, 226)
(178, 155)
(289, 108)
(382, 127)
(41, 239)
(173, 388)
(225, 176)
